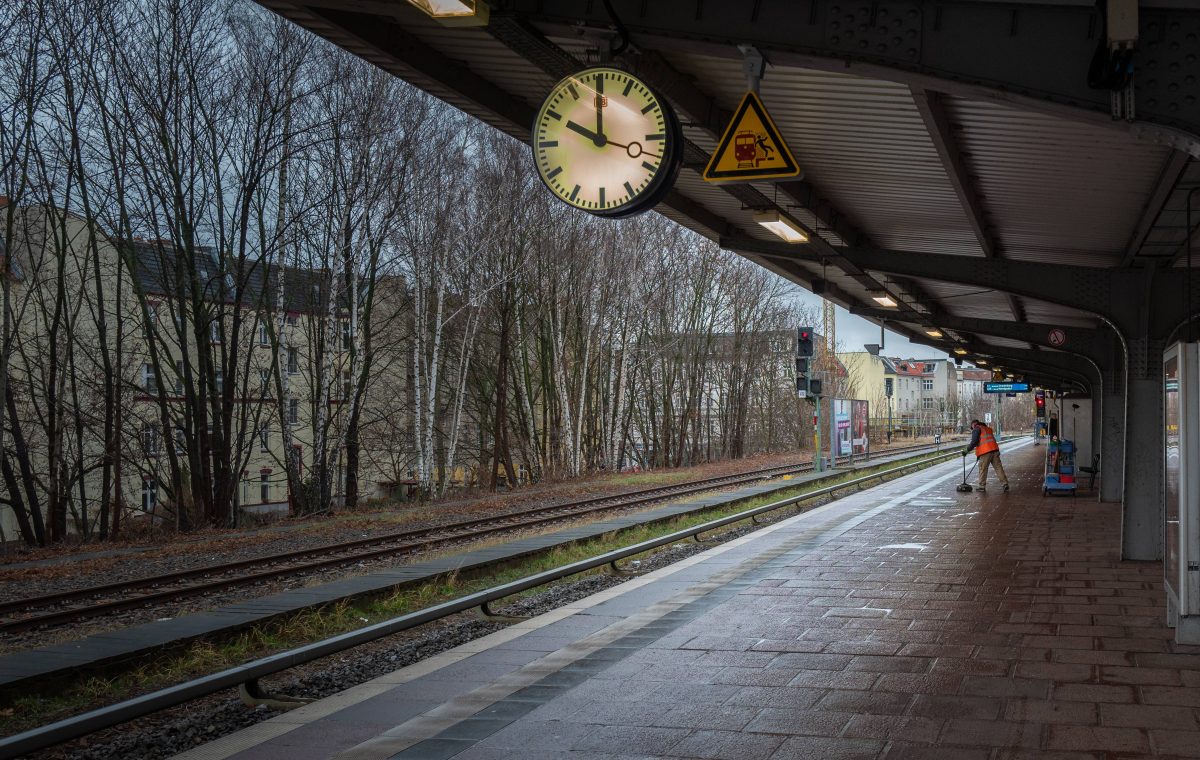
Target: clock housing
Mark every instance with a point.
(606, 143)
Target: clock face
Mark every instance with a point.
(604, 142)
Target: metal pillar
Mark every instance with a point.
(1143, 498)
(818, 455)
(1112, 427)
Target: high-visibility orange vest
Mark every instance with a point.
(987, 441)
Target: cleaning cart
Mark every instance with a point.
(1060, 467)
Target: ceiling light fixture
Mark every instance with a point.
(960, 351)
(464, 12)
(934, 333)
(782, 226)
(885, 300)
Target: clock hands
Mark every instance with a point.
(633, 149)
(598, 139)
(598, 98)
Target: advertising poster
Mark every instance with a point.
(841, 419)
(860, 424)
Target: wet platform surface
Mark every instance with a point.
(901, 622)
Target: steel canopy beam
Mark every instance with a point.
(937, 124)
(1084, 341)
(1034, 55)
(1172, 171)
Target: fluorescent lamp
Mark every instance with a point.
(934, 333)
(781, 226)
(451, 11)
(981, 361)
(960, 351)
(884, 300)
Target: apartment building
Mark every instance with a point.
(924, 392)
(253, 362)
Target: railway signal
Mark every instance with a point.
(804, 341)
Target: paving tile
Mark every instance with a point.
(971, 732)
(804, 723)
(865, 702)
(727, 745)
(631, 739)
(937, 706)
(1149, 716)
(905, 751)
(785, 698)
(1046, 711)
(1089, 692)
(998, 686)
(1105, 738)
(1178, 743)
(895, 727)
(810, 747)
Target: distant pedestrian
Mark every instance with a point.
(987, 453)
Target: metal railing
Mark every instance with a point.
(111, 715)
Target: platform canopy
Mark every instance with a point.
(955, 157)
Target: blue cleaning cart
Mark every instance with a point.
(1059, 476)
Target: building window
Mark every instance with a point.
(930, 368)
(149, 379)
(346, 386)
(293, 360)
(151, 321)
(150, 438)
(220, 378)
(264, 381)
(293, 320)
(263, 338)
(346, 336)
(929, 403)
(180, 440)
(927, 384)
(179, 386)
(215, 331)
(264, 485)
(264, 439)
(293, 412)
(149, 494)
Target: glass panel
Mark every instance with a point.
(1171, 438)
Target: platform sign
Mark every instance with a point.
(1006, 387)
(751, 148)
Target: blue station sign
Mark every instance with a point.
(1006, 387)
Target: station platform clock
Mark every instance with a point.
(606, 143)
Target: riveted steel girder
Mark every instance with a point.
(1084, 341)
(932, 108)
(1035, 55)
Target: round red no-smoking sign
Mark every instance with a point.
(1057, 337)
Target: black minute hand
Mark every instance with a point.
(599, 96)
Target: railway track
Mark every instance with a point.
(93, 601)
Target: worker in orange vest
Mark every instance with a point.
(987, 453)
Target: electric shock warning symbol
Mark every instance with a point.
(751, 148)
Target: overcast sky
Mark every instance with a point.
(854, 332)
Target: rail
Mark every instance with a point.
(111, 715)
(349, 552)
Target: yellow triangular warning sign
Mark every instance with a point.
(751, 147)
